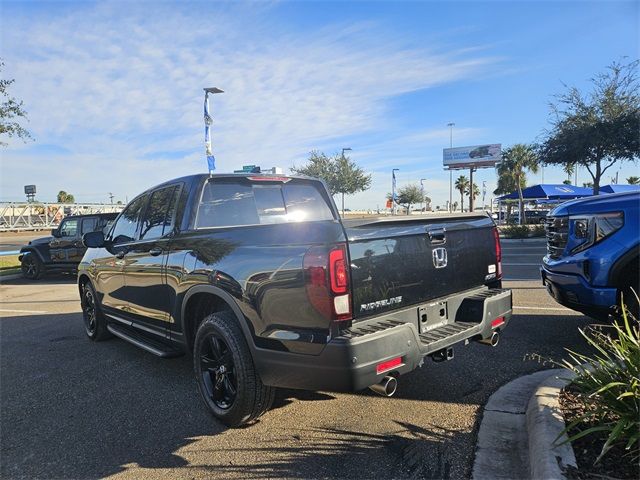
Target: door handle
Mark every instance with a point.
(155, 252)
(437, 237)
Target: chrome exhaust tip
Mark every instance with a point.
(387, 387)
(492, 340)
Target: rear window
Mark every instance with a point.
(231, 202)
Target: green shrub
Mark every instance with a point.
(608, 382)
(515, 231)
(539, 231)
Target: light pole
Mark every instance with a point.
(344, 150)
(450, 125)
(393, 190)
(422, 191)
(484, 192)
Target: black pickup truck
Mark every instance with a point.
(261, 282)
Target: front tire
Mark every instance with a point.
(226, 376)
(95, 323)
(31, 266)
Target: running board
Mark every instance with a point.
(138, 339)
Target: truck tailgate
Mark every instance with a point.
(402, 261)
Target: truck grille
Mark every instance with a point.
(557, 235)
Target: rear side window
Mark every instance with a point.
(240, 202)
(89, 224)
(158, 218)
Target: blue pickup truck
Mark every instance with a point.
(593, 253)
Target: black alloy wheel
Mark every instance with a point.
(218, 372)
(31, 266)
(89, 313)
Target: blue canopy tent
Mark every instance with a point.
(619, 188)
(550, 192)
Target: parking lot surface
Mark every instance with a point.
(71, 408)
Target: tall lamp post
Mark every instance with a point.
(344, 150)
(422, 191)
(393, 190)
(450, 125)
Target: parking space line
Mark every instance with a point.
(20, 311)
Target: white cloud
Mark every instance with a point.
(118, 88)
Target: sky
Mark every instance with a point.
(114, 96)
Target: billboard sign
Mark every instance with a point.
(475, 156)
(30, 189)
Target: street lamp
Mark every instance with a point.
(393, 190)
(344, 150)
(422, 191)
(450, 125)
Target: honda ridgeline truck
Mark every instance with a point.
(593, 253)
(260, 281)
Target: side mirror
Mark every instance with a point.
(55, 232)
(93, 239)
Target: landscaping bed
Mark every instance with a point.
(9, 265)
(617, 464)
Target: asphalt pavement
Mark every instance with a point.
(71, 408)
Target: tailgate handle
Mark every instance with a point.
(437, 237)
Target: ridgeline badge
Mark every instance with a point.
(367, 307)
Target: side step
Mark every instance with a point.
(146, 342)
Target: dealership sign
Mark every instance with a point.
(475, 156)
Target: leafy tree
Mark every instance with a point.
(587, 184)
(339, 173)
(507, 184)
(10, 112)
(517, 159)
(566, 182)
(410, 194)
(462, 185)
(455, 206)
(633, 180)
(597, 129)
(64, 197)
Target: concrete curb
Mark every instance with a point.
(548, 459)
(519, 425)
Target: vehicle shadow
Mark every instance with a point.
(49, 279)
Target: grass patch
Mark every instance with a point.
(9, 265)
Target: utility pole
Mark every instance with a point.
(111, 197)
(450, 125)
(393, 190)
(421, 192)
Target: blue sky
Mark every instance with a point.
(114, 89)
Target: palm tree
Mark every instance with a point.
(507, 184)
(517, 159)
(475, 190)
(633, 180)
(462, 184)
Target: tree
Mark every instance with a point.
(408, 195)
(517, 159)
(566, 182)
(462, 184)
(633, 180)
(475, 191)
(64, 197)
(597, 129)
(507, 185)
(455, 206)
(587, 184)
(339, 173)
(10, 112)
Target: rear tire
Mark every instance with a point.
(31, 266)
(95, 323)
(225, 373)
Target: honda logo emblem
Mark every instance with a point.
(439, 257)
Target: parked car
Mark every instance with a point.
(63, 250)
(593, 253)
(258, 278)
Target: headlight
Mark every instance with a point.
(587, 230)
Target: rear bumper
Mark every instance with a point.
(348, 362)
(574, 292)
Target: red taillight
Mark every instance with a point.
(388, 365)
(269, 179)
(496, 238)
(497, 322)
(327, 281)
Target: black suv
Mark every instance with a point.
(62, 251)
(258, 278)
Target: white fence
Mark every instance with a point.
(21, 216)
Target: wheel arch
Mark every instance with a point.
(33, 250)
(202, 300)
(625, 265)
(83, 279)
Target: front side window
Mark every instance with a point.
(158, 218)
(89, 225)
(126, 225)
(69, 228)
(236, 202)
